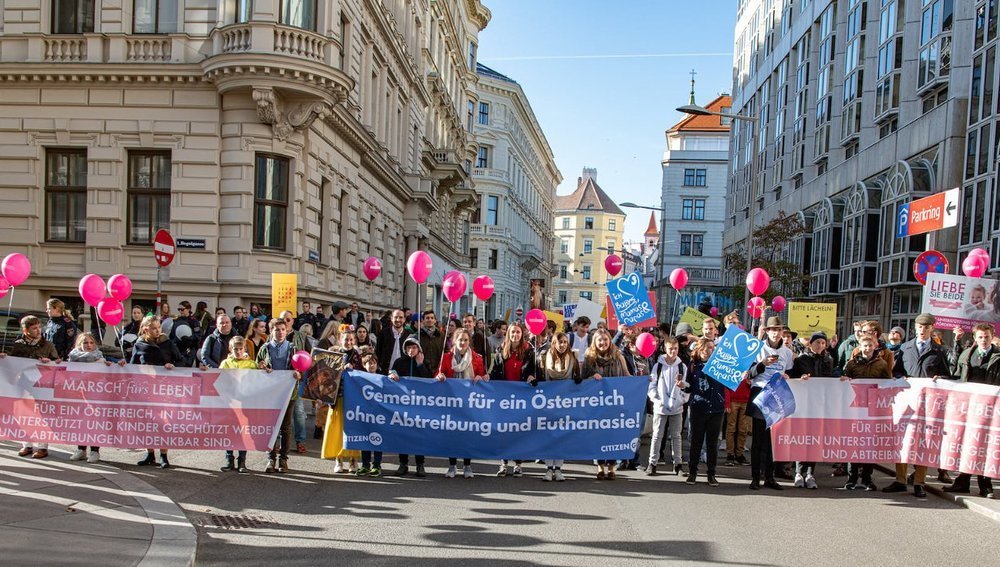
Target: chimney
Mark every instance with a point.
(590, 172)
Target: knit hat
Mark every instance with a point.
(925, 319)
(684, 329)
(899, 330)
(412, 341)
(817, 336)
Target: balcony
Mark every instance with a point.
(491, 174)
(489, 230)
(531, 256)
(705, 276)
(447, 167)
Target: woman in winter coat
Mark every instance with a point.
(559, 363)
(601, 359)
(706, 408)
(86, 350)
(463, 363)
(514, 361)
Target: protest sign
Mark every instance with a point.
(630, 300)
(141, 406)
(695, 318)
(958, 301)
(556, 318)
(569, 311)
(808, 318)
(775, 401)
(596, 419)
(613, 317)
(734, 354)
(284, 293)
(588, 309)
(950, 425)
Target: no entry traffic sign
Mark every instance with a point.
(163, 248)
(938, 211)
(929, 261)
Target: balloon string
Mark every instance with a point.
(10, 307)
(100, 332)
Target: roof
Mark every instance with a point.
(485, 71)
(588, 197)
(652, 230)
(696, 123)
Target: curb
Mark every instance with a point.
(963, 500)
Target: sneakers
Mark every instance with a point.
(376, 471)
(450, 473)
(548, 475)
(467, 472)
(149, 460)
(678, 470)
(651, 470)
(94, 457)
(421, 473)
(402, 470)
(558, 476)
(730, 461)
(352, 468)
(338, 467)
(79, 455)
(40, 454)
(270, 467)
(503, 471)
(849, 485)
(712, 481)
(811, 482)
(25, 452)
(283, 465)
(363, 471)
(300, 448)
(517, 471)
(869, 486)
(800, 482)
(691, 479)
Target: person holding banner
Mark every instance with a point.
(31, 344)
(85, 350)
(462, 363)
(276, 354)
(774, 357)
(515, 362)
(237, 358)
(667, 394)
(866, 363)
(604, 359)
(154, 349)
(412, 364)
(706, 407)
(814, 362)
(559, 363)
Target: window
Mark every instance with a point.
(244, 11)
(563, 273)
(472, 60)
(934, 59)
(692, 244)
(693, 209)
(494, 259)
(562, 297)
(695, 177)
(270, 202)
(148, 195)
(66, 195)
(154, 16)
(470, 108)
(565, 222)
(564, 246)
(484, 113)
(588, 295)
(588, 223)
(72, 16)
(611, 247)
(588, 246)
(492, 210)
(473, 257)
(612, 224)
(299, 13)
(483, 157)
(586, 272)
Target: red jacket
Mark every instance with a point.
(478, 368)
(740, 396)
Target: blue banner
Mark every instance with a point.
(776, 400)
(734, 354)
(596, 419)
(630, 299)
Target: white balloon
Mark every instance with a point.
(129, 337)
(166, 325)
(183, 331)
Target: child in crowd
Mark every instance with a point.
(706, 408)
(866, 363)
(666, 391)
(238, 358)
(85, 350)
(369, 362)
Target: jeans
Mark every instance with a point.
(242, 455)
(554, 463)
(284, 434)
(366, 459)
(669, 425)
(865, 470)
(452, 461)
(300, 421)
(737, 429)
(705, 429)
(404, 460)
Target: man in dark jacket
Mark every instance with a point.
(216, 346)
(920, 357)
(847, 346)
(185, 333)
(411, 363)
(241, 324)
(431, 341)
(306, 317)
(978, 364)
(478, 340)
(355, 316)
(389, 346)
(813, 362)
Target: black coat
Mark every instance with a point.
(818, 365)
(155, 354)
(384, 345)
(406, 366)
(528, 367)
(934, 361)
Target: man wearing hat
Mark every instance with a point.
(411, 363)
(814, 362)
(895, 339)
(919, 358)
(773, 358)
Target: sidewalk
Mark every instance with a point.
(972, 501)
(57, 512)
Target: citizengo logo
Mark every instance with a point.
(375, 438)
(634, 444)
(630, 446)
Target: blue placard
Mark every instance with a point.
(776, 400)
(903, 221)
(596, 419)
(734, 354)
(630, 299)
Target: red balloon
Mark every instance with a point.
(535, 320)
(645, 343)
(483, 287)
(613, 264)
(301, 361)
(678, 278)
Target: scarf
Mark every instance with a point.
(611, 365)
(552, 360)
(462, 365)
(77, 355)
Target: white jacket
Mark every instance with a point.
(667, 398)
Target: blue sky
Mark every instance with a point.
(604, 78)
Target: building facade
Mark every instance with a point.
(589, 226)
(282, 136)
(863, 106)
(516, 177)
(693, 197)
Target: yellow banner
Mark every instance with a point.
(284, 293)
(808, 318)
(695, 318)
(557, 318)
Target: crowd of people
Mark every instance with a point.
(681, 396)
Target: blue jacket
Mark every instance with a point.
(707, 395)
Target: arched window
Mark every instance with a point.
(859, 252)
(896, 254)
(825, 263)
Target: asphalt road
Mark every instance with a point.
(311, 516)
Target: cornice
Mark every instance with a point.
(101, 73)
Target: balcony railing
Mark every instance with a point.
(705, 275)
(101, 48)
(489, 230)
(490, 173)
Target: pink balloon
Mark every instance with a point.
(454, 285)
(535, 321)
(679, 278)
(483, 287)
(646, 344)
(110, 311)
(714, 312)
(778, 303)
(16, 268)
(4, 286)
(372, 268)
(983, 256)
(973, 266)
(758, 281)
(419, 266)
(755, 307)
(119, 287)
(92, 289)
(301, 361)
(613, 264)
(979, 252)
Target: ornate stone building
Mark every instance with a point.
(275, 135)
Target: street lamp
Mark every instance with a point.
(663, 236)
(695, 110)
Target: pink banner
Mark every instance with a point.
(141, 406)
(954, 426)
